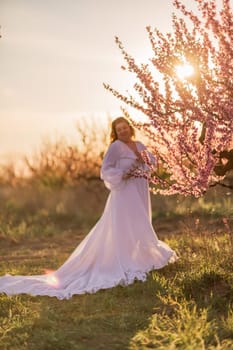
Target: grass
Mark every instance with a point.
(187, 305)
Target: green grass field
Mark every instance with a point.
(187, 305)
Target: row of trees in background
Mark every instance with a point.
(190, 118)
(59, 163)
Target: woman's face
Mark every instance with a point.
(123, 131)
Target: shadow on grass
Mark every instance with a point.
(210, 289)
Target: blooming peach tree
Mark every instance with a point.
(189, 117)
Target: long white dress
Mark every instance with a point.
(120, 248)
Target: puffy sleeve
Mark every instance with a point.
(110, 173)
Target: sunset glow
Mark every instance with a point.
(184, 71)
(53, 69)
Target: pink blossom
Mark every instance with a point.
(190, 120)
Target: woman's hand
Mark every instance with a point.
(135, 166)
(139, 157)
(126, 176)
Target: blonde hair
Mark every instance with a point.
(113, 134)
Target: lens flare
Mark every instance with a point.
(51, 279)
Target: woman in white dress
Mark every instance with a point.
(122, 246)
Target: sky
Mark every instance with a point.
(55, 56)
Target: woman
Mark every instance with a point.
(122, 246)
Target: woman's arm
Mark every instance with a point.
(110, 173)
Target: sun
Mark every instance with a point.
(184, 71)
